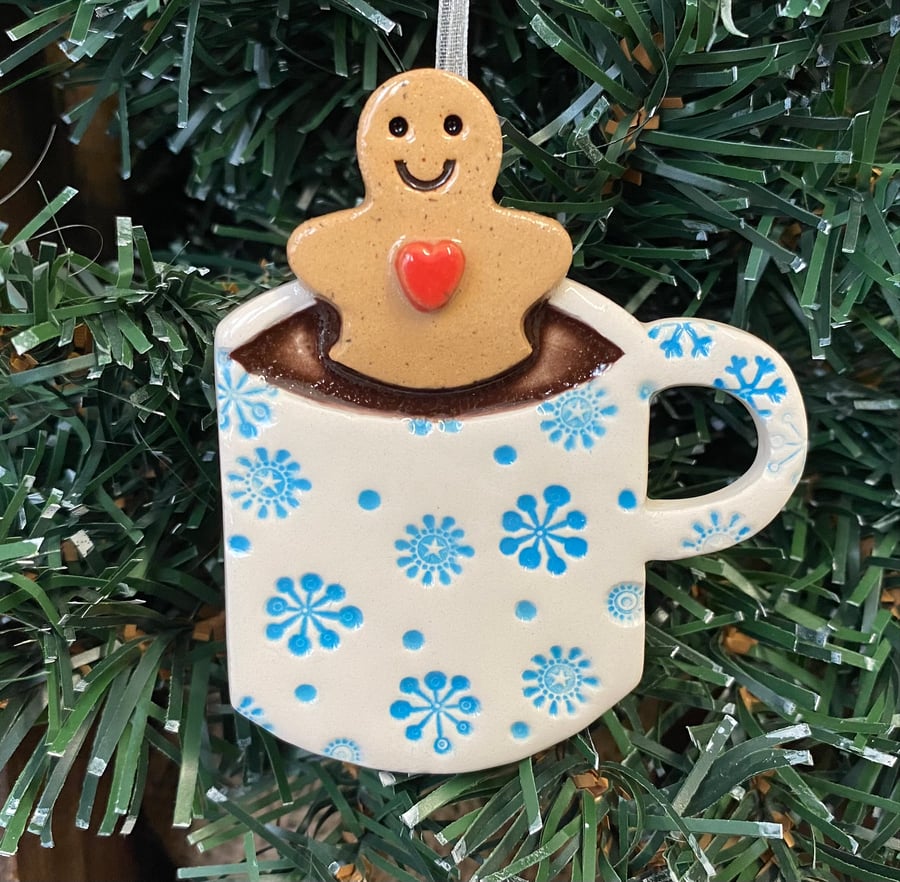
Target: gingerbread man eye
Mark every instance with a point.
(398, 126)
(453, 124)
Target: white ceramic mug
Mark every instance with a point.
(443, 596)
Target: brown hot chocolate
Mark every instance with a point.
(293, 355)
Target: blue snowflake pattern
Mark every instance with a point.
(748, 388)
(558, 682)
(576, 417)
(240, 400)
(344, 749)
(717, 534)
(440, 703)
(310, 607)
(247, 707)
(673, 344)
(268, 482)
(540, 532)
(787, 445)
(422, 427)
(433, 550)
(623, 603)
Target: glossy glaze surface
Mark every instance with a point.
(429, 148)
(430, 594)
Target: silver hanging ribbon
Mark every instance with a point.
(451, 52)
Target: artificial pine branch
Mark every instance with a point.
(736, 163)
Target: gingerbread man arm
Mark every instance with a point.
(319, 247)
(544, 248)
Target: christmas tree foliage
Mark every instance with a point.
(736, 161)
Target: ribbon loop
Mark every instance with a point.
(451, 52)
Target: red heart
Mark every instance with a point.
(429, 272)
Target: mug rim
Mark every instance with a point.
(570, 298)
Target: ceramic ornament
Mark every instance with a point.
(434, 463)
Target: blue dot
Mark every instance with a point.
(645, 390)
(306, 692)
(627, 500)
(505, 455)
(413, 640)
(239, 544)
(369, 500)
(525, 610)
(519, 730)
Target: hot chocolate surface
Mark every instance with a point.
(293, 356)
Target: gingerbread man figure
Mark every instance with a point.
(432, 279)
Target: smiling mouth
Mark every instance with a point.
(415, 183)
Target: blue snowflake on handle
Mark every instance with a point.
(558, 681)
(311, 608)
(436, 701)
(239, 399)
(787, 445)
(540, 534)
(717, 534)
(268, 482)
(748, 388)
(433, 550)
(677, 334)
(576, 417)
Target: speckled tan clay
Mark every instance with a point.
(512, 258)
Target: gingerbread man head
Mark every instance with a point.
(426, 135)
(431, 277)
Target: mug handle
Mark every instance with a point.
(692, 352)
